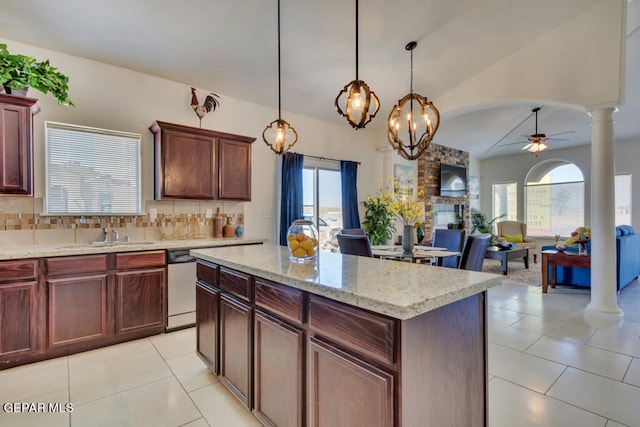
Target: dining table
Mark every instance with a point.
(418, 255)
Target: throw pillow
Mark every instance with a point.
(624, 230)
(515, 238)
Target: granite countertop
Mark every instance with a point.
(397, 289)
(21, 252)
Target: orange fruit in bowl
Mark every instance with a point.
(299, 253)
(294, 244)
(306, 244)
(301, 236)
(311, 251)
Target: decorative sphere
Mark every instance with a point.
(560, 246)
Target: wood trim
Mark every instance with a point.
(207, 273)
(236, 283)
(280, 299)
(146, 259)
(18, 270)
(69, 265)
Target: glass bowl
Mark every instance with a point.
(302, 241)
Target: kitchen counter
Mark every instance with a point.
(66, 249)
(344, 340)
(397, 289)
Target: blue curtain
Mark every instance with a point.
(291, 193)
(349, 176)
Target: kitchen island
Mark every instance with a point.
(345, 340)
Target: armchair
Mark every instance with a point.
(516, 232)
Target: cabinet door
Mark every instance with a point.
(235, 169)
(140, 300)
(18, 319)
(188, 167)
(77, 309)
(207, 325)
(235, 347)
(345, 391)
(15, 144)
(278, 372)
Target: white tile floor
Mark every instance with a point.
(549, 366)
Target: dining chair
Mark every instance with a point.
(354, 231)
(474, 250)
(353, 244)
(452, 240)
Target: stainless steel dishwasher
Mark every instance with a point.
(181, 289)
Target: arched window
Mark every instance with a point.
(554, 198)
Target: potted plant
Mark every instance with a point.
(20, 72)
(378, 220)
(481, 223)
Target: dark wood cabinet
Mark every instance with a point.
(16, 144)
(278, 372)
(236, 332)
(18, 309)
(77, 299)
(140, 282)
(207, 303)
(346, 391)
(77, 309)
(195, 163)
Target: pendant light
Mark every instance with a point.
(279, 135)
(419, 130)
(360, 100)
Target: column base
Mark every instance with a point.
(614, 314)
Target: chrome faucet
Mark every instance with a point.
(105, 233)
(114, 234)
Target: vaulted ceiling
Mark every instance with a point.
(229, 47)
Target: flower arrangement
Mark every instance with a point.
(407, 209)
(581, 235)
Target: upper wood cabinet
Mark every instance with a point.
(16, 133)
(194, 163)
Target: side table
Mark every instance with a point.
(560, 259)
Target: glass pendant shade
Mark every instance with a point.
(413, 121)
(281, 135)
(359, 106)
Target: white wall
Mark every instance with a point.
(515, 169)
(116, 98)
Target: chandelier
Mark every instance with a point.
(420, 117)
(361, 100)
(279, 135)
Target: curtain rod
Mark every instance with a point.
(323, 158)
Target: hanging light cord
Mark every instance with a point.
(356, 39)
(279, 90)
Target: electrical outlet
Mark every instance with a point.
(209, 213)
(153, 214)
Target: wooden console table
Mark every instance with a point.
(557, 259)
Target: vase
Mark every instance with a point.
(407, 240)
(582, 248)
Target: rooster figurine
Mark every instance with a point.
(210, 104)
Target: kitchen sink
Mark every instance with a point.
(103, 244)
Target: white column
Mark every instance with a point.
(604, 302)
(387, 163)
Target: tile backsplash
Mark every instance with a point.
(23, 224)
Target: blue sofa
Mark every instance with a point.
(627, 264)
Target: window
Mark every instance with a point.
(554, 195)
(623, 199)
(322, 198)
(505, 201)
(91, 171)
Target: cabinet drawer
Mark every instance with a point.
(280, 299)
(367, 332)
(18, 270)
(236, 283)
(75, 265)
(140, 259)
(207, 273)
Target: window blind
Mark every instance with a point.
(91, 171)
(554, 208)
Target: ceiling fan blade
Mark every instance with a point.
(513, 143)
(559, 139)
(567, 133)
(526, 147)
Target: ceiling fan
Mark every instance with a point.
(536, 143)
